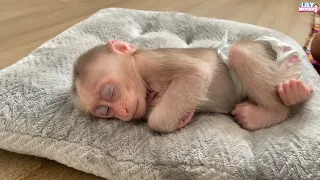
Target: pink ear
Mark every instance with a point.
(121, 47)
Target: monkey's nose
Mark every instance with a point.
(123, 111)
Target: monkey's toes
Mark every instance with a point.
(244, 114)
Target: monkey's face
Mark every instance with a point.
(111, 89)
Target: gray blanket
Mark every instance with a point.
(37, 118)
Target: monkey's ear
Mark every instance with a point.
(121, 47)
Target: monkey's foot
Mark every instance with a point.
(294, 92)
(187, 119)
(252, 117)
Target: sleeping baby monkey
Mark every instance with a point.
(167, 86)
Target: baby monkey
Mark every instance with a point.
(167, 86)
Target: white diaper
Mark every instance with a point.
(288, 59)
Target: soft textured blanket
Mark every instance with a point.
(37, 118)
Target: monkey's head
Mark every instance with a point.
(106, 83)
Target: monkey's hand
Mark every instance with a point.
(152, 99)
(176, 106)
(187, 119)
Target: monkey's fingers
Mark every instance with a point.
(187, 119)
(305, 91)
(295, 95)
(283, 95)
(151, 96)
(236, 110)
(239, 108)
(287, 88)
(309, 89)
(239, 118)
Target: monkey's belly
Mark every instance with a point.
(222, 96)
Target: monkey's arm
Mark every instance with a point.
(179, 100)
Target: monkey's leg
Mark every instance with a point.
(258, 73)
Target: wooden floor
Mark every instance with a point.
(26, 24)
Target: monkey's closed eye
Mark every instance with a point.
(102, 111)
(107, 92)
